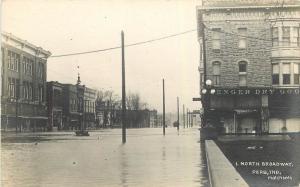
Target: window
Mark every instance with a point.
(216, 73)
(296, 35)
(275, 36)
(216, 38)
(285, 36)
(275, 73)
(243, 73)
(11, 87)
(41, 93)
(242, 32)
(296, 73)
(286, 73)
(13, 61)
(242, 66)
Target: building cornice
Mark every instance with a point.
(10, 39)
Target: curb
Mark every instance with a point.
(220, 170)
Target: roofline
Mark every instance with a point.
(9, 35)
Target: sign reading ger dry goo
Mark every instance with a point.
(259, 91)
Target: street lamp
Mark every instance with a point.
(207, 92)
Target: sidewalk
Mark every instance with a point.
(271, 160)
(221, 172)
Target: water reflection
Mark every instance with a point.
(124, 166)
(147, 159)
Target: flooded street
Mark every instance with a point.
(147, 159)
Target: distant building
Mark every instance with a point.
(89, 112)
(249, 65)
(55, 105)
(70, 106)
(23, 75)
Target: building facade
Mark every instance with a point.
(55, 105)
(70, 107)
(249, 65)
(23, 75)
(90, 96)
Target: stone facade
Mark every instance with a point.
(248, 46)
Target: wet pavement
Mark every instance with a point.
(62, 159)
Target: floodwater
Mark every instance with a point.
(62, 159)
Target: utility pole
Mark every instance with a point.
(183, 115)
(177, 114)
(164, 120)
(187, 118)
(124, 121)
(17, 105)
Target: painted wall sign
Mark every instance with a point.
(259, 91)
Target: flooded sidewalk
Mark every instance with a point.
(62, 159)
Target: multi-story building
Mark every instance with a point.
(73, 106)
(23, 95)
(249, 65)
(55, 105)
(70, 106)
(90, 96)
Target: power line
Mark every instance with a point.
(129, 45)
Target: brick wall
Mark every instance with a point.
(257, 53)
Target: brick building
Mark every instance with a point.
(249, 65)
(23, 91)
(70, 106)
(89, 112)
(55, 105)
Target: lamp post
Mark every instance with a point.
(206, 93)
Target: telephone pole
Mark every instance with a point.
(164, 120)
(183, 115)
(177, 114)
(123, 92)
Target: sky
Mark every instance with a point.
(71, 26)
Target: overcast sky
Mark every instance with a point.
(68, 26)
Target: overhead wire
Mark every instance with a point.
(129, 45)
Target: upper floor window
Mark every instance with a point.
(216, 38)
(296, 73)
(296, 35)
(286, 73)
(275, 36)
(27, 66)
(275, 73)
(243, 73)
(286, 36)
(13, 61)
(12, 86)
(242, 32)
(216, 73)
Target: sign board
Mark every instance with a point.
(258, 91)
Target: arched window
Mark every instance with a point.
(216, 73)
(243, 73)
